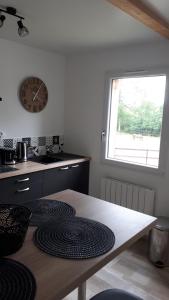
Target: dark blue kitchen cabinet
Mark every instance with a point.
(22, 188)
(74, 177)
(19, 189)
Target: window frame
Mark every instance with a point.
(164, 142)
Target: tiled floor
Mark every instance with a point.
(133, 272)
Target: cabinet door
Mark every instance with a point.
(79, 177)
(21, 188)
(56, 180)
(75, 177)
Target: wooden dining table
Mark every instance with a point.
(57, 277)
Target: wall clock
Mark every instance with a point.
(33, 94)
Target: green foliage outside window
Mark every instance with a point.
(144, 119)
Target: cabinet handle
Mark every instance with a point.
(23, 190)
(23, 180)
(64, 168)
(75, 166)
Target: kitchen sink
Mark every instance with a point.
(4, 169)
(54, 157)
(45, 159)
(67, 156)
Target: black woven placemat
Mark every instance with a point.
(74, 238)
(44, 209)
(16, 281)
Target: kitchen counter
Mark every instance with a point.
(30, 166)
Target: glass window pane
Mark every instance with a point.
(135, 120)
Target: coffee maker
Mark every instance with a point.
(7, 156)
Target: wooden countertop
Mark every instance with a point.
(57, 277)
(30, 166)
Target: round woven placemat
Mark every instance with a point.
(16, 281)
(74, 238)
(44, 209)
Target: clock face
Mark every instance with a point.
(33, 94)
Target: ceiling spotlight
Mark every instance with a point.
(22, 30)
(2, 19)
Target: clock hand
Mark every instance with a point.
(34, 95)
(37, 92)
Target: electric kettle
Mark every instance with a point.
(21, 151)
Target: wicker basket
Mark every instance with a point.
(14, 222)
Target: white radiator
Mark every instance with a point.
(128, 195)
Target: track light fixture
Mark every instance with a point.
(22, 30)
(2, 19)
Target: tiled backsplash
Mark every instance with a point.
(39, 144)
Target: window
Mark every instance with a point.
(134, 120)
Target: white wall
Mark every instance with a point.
(84, 112)
(16, 63)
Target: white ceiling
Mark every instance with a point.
(77, 25)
